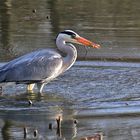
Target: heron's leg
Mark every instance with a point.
(30, 87)
(40, 87)
(0, 90)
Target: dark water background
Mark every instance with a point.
(103, 95)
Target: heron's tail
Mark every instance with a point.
(2, 76)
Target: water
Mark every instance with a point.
(103, 96)
(27, 26)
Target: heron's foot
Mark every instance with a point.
(30, 88)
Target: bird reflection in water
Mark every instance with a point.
(94, 137)
(14, 131)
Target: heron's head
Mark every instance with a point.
(72, 37)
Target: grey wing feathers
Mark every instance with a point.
(35, 66)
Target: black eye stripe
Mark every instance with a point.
(69, 33)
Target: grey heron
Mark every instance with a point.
(42, 66)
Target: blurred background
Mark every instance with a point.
(94, 98)
(29, 25)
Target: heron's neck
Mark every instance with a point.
(69, 50)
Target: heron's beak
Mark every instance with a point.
(86, 42)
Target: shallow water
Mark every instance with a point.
(27, 26)
(102, 96)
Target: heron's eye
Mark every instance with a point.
(73, 36)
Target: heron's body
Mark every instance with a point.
(35, 66)
(40, 66)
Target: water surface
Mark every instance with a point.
(102, 96)
(29, 25)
